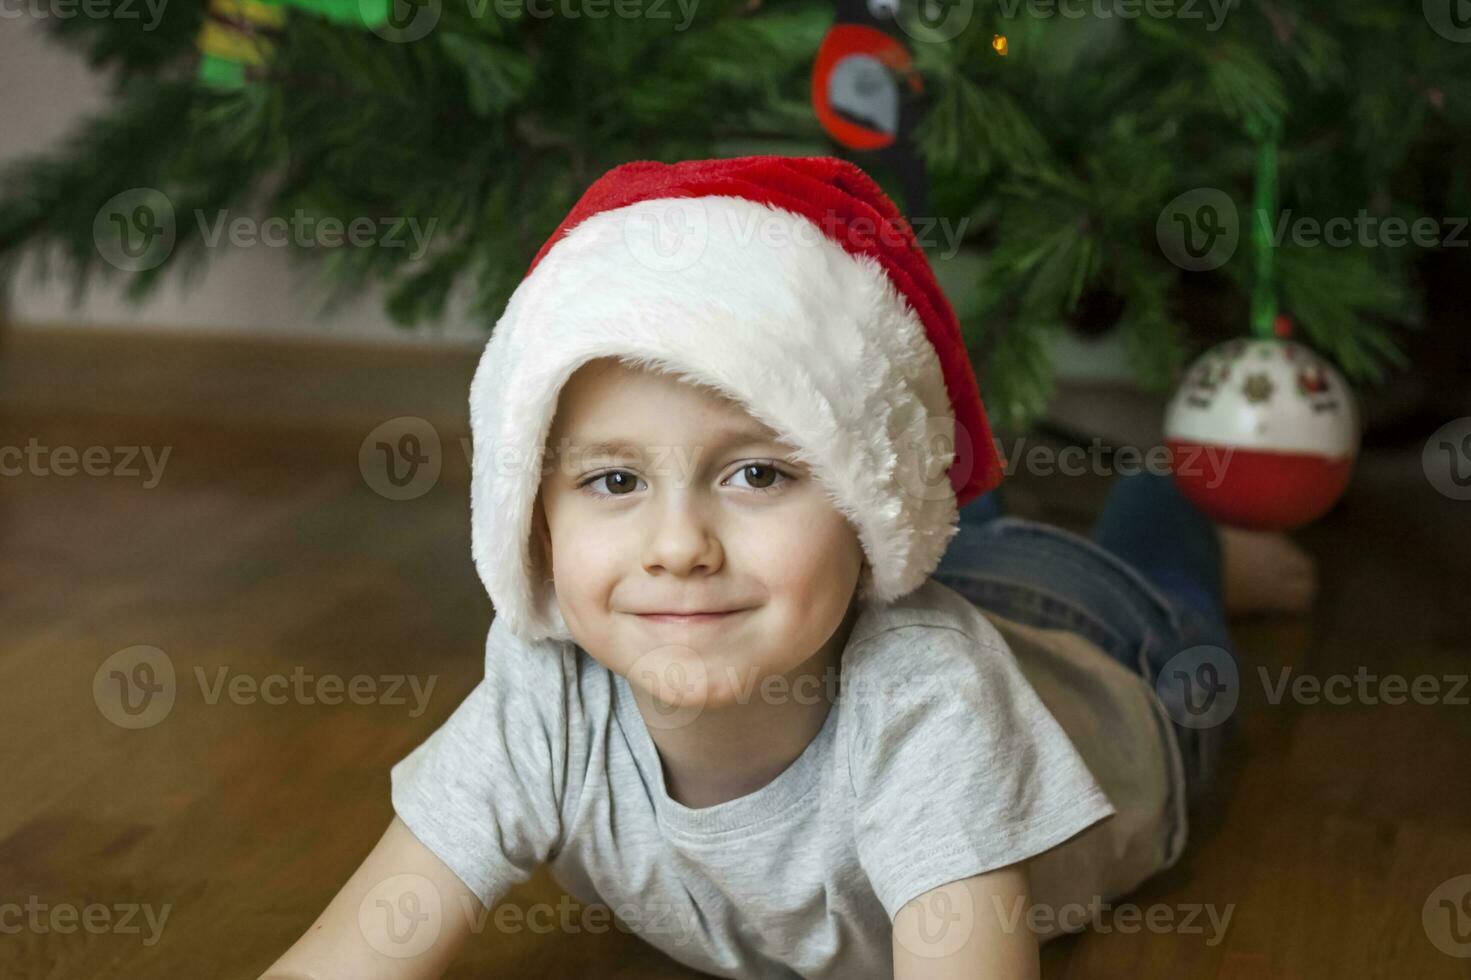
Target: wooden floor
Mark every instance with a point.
(262, 551)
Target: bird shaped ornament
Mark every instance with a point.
(866, 91)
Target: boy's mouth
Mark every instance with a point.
(691, 618)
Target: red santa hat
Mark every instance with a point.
(790, 284)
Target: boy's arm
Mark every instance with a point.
(383, 927)
(972, 928)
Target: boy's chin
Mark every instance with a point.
(682, 677)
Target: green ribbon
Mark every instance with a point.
(1265, 130)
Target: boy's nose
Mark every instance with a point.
(682, 539)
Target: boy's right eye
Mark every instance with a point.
(622, 479)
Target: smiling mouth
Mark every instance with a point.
(690, 619)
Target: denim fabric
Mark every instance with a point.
(1145, 590)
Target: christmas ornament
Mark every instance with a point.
(238, 37)
(1263, 433)
(865, 91)
(1096, 312)
(235, 40)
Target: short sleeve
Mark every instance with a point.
(483, 791)
(957, 767)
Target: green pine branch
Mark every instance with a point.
(1054, 162)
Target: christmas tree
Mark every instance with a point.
(1064, 144)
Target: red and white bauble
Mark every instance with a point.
(1263, 434)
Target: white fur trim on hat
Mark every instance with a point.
(753, 301)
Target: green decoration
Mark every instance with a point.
(1265, 131)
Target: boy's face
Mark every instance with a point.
(689, 516)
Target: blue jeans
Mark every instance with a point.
(1146, 589)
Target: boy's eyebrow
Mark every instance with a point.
(719, 439)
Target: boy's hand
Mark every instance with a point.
(967, 929)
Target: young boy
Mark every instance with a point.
(722, 435)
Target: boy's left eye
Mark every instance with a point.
(766, 477)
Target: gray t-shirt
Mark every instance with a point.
(960, 743)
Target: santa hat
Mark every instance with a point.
(793, 286)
